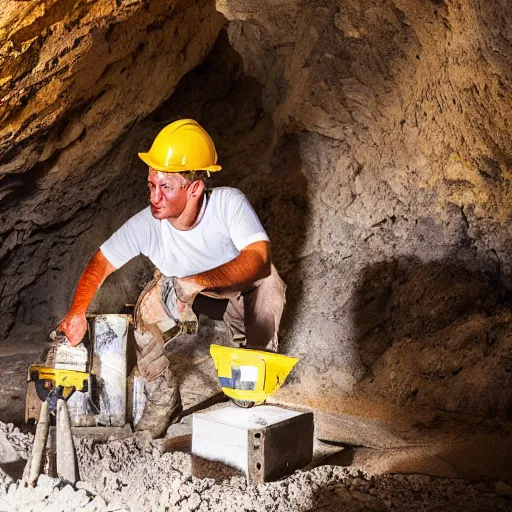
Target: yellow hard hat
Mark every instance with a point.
(248, 376)
(182, 146)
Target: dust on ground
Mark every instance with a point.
(137, 474)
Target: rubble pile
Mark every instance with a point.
(21, 442)
(134, 474)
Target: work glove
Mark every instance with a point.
(178, 297)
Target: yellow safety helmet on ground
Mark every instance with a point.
(248, 376)
(182, 146)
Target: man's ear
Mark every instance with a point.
(196, 189)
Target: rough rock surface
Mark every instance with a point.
(386, 192)
(133, 474)
(373, 138)
(75, 79)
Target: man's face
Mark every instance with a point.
(167, 194)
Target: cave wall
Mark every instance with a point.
(392, 155)
(373, 139)
(77, 78)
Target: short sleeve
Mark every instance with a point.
(243, 224)
(127, 242)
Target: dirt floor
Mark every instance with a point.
(138, 474)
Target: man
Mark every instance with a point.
(206, 245)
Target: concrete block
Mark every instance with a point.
(110, 343)
(265, 442)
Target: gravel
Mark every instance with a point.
(133, 474)
(21, 442)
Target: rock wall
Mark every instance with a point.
(373, 138)
(76, 77)
(388, 193)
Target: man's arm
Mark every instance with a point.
(251, 264)
(74, 324)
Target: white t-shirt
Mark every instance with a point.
(227, 225)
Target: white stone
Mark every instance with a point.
(96, 505)
(225, 434)
(7, 453)
(110, 342)
(80, 498)
(88, 486)
(46, 481)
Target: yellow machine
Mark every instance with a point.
(46, 380)
(53, 386)
(249, 376)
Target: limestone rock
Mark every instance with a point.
(75, 78)
(7, 453)
(391, 156)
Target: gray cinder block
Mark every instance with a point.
(265, 442)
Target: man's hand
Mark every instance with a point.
(74, 326)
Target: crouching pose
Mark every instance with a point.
(212, 257)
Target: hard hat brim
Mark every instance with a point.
(146, 158)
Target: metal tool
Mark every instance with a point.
(48, 379)
(35, 461)
(43, 380)
(66, 458)
(53, 409)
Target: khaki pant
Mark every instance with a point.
(253, 313)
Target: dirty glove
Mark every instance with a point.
(187, 289)
(178, 295)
